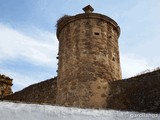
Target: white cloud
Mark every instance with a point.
(139, 40)
(40, 49)
(19, 81)
(14, 44)
(132, 65)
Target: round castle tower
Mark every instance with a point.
(88, 59)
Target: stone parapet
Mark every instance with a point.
(62, 22)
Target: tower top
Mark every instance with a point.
(63, 21)
(88, 9)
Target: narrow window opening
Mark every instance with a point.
(83, 31)
(113, 59)
(96, 33)
(110, 36)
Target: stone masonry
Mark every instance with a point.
(5, 86)
(43, 92)
(88, 59)
(140, 93)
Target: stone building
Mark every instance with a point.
(5, 86)
(88, 59)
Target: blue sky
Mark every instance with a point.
(28, 43)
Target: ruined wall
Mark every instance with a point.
(88, 59)
(5, 86)
(43, 92)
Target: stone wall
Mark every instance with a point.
(43, 92)
(141, 93)
(5, 86)
(88, 59)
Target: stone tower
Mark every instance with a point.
(88, 59)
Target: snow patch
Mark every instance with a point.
(21, 111)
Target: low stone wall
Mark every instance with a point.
(43, 92)
(141, 93)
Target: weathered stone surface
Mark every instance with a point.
(43, 92)
(5, 86)
(88, 59)
(141, 93)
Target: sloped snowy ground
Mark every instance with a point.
(21, 111)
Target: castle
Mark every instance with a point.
(89, 74)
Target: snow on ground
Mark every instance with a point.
(21, 111)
